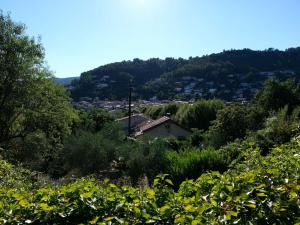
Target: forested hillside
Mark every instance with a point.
(230, 75)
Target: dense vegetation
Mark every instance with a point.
(55, 160)
(229, 75)
(255, 190)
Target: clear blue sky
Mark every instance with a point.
(79, 35)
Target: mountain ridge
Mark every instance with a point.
(229, 75)
(64, 80)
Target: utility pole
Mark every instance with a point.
(129, 109)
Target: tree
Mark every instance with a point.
(275, 95)
(233, 122)
(93, 120)
(200, 114)
(30, 101)
(89, 152)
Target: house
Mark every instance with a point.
(136, 121)
(163, 127)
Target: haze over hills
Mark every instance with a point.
(229, 75)
(65, 81)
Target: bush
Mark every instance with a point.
(199, 114)
(143, 157)
(87, 152)
(191, 163)
(233, 122)
(279, 128)
(275, 95)
(93, 120)
(159, 111)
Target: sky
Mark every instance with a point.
(79, 35)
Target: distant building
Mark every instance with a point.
(186, 78)
(245, 85)
(210, 83)
(163, 127)
(267, 73)
(153, 99)
(102, 85)
(187, 90)
(136, 121)
(212, 90)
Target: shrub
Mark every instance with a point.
(279, 128)
(143, 157)
(199, 114)
(87, 152)
(233, 122)
(191, 163)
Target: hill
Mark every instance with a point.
(229, 75)
(65, 81)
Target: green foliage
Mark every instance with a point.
(96, 153)
(88, 153)
(256, 190)
(143, 157)
(196, 138)
(233, 150)
(279, 128)
(196, 115)
(29, 100)
(93, 120)
(159, 111)
(191, 163)
(232, 123)
(36, 119)
(199, 114)
(275, 95)
(16, 177)
(33, 108)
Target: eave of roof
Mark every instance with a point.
(154, 123)
(134, 115)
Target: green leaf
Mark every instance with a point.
(150, 193)
(253, 206)
(196, 222)
(169, 182)
(189, 208)
(95, 220)
(261, 194)
(164, 209)
(109, 218)
(229, 214)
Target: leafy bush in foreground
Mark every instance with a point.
(256, 190)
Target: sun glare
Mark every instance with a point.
(142, 8)
(139, 3)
